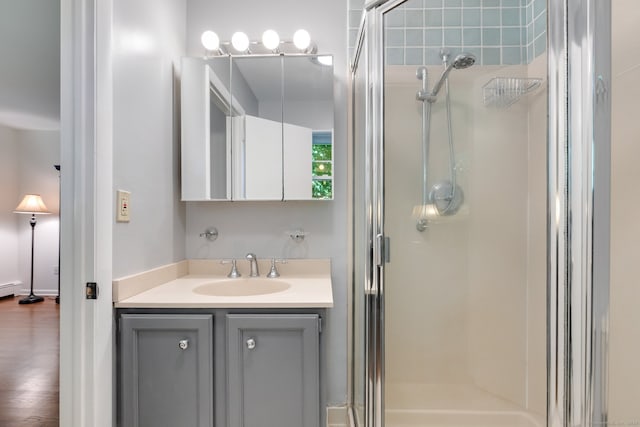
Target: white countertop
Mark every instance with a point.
(310, 288)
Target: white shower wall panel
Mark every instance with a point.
(497, 196)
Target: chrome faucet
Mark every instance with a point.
(253, 262)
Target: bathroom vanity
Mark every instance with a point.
(231, 360)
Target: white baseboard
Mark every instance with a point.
(337, 416)
(14, 288)
(40, 292)
(17, 288)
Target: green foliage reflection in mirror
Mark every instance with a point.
(322, 165)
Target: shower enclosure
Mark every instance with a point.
(480, 213)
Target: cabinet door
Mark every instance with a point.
(273, 372)
(262, 159)
(297, 170)
(166, 372)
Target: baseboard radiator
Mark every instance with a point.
(13, 288)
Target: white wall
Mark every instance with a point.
(149, 39)
(507, 272)
(624, 381)
(9, 199)
(498, 243)
(260, 227)
(30, 71)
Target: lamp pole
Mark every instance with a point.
(32, 297)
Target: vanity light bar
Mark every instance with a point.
(270, 43)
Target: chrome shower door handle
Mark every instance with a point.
(381, 250)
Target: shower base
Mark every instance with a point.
(452, 405)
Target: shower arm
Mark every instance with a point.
(443, 78)
(453, 200)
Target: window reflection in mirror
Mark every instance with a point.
(322, 166)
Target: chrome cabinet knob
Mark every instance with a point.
(251, 343)
(183, 344)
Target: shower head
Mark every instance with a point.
(460, 62)
(464, 60)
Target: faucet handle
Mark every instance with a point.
(234, 273)
(210, 234)
(273, 273)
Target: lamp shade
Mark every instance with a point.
(32, 204)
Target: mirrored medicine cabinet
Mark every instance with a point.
(257, 127)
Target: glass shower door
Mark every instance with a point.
(464, 208)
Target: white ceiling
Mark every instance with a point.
(30, 64)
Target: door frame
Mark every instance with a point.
(579, 169)
(86, 326)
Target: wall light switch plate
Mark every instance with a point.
(123, 206)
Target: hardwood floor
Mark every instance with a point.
(29, 363)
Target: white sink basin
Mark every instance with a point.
(242, 287)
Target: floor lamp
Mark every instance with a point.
(32, 204)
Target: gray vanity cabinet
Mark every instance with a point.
(273, 370)
(166, 370)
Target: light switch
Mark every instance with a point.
(123, 206)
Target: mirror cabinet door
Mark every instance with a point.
(308, 127)
(257, 128)
(257, 138)
(206, 112)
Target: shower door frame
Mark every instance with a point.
(578, 169)
(371, 24)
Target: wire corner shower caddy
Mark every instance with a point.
(502, 92)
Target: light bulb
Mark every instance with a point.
(301, 39)
(210, 40)
(240, 41)
(270, 39)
